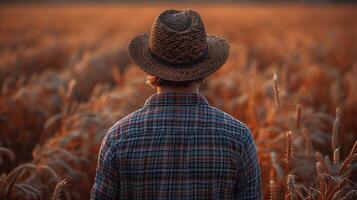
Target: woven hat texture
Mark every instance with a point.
(178, 48)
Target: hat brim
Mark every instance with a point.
(218, 51)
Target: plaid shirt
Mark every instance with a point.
(177, 147)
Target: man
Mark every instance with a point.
(177, 146)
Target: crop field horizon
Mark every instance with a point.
(291, 76)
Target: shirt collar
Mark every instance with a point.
(176, 99)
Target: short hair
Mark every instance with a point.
(154, 81)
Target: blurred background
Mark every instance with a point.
(65, 78)
(179, 1)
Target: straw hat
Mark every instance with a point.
(178, 48)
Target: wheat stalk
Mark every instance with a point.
(276, 91)
(117, 76)
(70, 89)
(336, 124)
(6, 86)
(276, 166)
(21, 168)
(29, 191)
(298, 116)
(21, 81)
(8, 153)
(50, 170)
(11, 181)
(319, 169)
(308, 144)
(350, 195)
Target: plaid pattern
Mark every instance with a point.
(177, 147)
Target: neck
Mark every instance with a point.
(191, 89)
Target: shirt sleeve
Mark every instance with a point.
(106, 183)
(248, 185)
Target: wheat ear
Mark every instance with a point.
(288, 151)
(336, 156)
(58, 193)
(351, 157)
(324, 167)
(273, 189)
(290, 186)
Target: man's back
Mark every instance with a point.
(177, 147)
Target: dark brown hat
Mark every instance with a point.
(178, 48)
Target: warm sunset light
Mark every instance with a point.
(66, 77)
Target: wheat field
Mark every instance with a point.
(65, 78)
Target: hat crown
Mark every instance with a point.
(177, 21)
(178, 38)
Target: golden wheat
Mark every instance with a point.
(65, 81)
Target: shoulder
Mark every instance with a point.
(115, 132)
(229, 121)
(235, 128)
